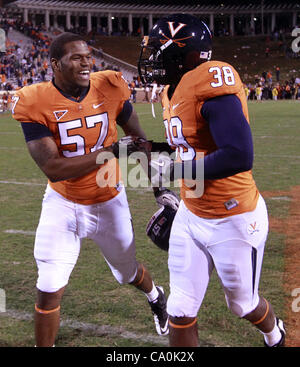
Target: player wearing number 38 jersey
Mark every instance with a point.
(225, 225)
(188, 130)
(68, 123)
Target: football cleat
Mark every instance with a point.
(159, 311)
(281, 342)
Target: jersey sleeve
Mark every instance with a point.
(116, 87)
(125, 114)
(24, 105)
(21, 107)
(117, 80)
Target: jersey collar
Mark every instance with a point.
(83, 93)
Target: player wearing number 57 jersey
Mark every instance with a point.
(68, 124)
(79, 126)
(224, 226)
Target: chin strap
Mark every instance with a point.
(153, 96)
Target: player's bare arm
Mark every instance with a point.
(45, 153)
(132, 127)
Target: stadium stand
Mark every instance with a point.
(261, 59)
(26, 58)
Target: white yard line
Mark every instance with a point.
(278, 156)
(276, 136)
(9, 182)
(12, 148)
(9, 133)
(98, 330)
(21, 183)
(283, 198)
(19, 231)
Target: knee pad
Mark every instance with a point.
(126, 273)
(236, 309)
(181, 304)
(52, 277)
(243, 307)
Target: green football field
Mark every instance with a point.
(96, 310)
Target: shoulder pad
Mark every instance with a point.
(112, 77)
(27, 98)
(212, 79)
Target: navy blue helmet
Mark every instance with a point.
(176, 44)
(159, 227)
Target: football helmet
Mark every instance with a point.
(176, 44)
(159, 227)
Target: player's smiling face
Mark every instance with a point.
(73, 69)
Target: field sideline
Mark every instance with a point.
(96, 310)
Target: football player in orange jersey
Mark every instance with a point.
(67, 123)
(224, 226)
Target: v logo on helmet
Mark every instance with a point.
(177, 29)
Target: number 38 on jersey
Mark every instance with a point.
(223, 75)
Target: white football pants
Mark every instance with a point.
(64, 223)
(234, 246)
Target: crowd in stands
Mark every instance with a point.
(25, 63)
(266, 88)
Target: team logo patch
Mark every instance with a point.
(253, 228)
(162, 221)
(173, 31)
(59, 114)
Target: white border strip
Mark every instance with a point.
(45, 184)
(102, 330)
(19, 231)
(22, 183)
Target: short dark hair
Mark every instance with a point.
(57, 47)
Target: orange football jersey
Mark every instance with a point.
(79, 128)
(187, 130)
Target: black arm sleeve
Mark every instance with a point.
(124, 115)
(232, 135)
(161, 147)
(34, 130)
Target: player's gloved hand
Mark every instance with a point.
(161, 170)
(166, 197)
(129, 144)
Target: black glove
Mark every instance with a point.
(166, 197)
(129, 144)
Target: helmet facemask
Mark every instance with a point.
(157, 65)
(150, 64)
